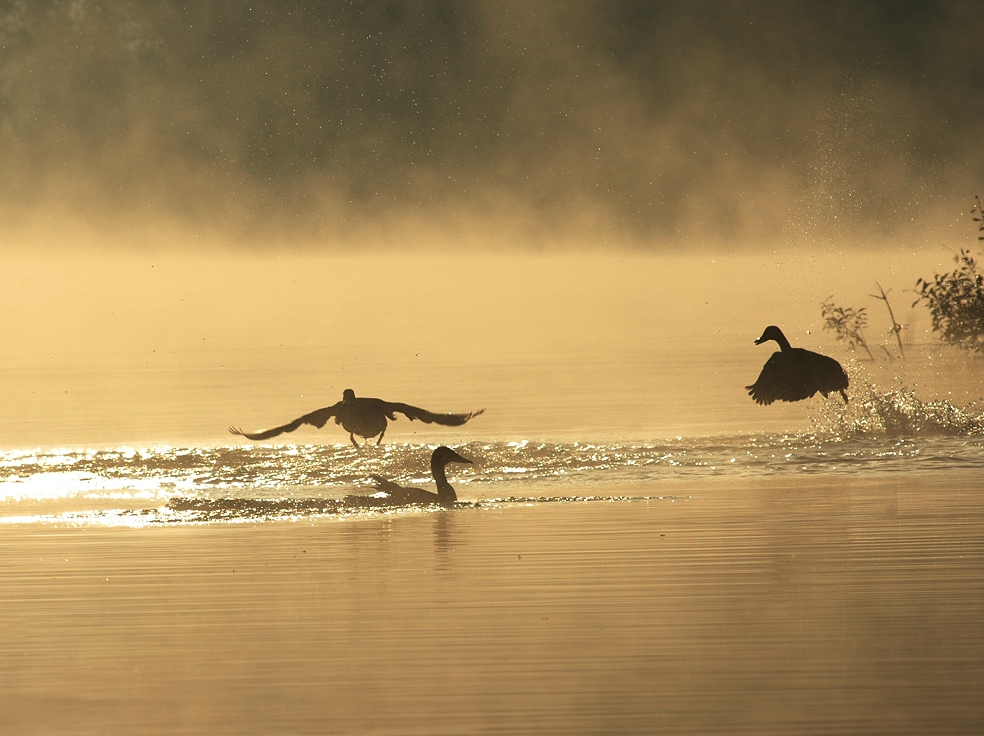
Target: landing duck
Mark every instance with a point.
(794, 374)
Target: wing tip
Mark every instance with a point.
(239, 432)
(757, 397)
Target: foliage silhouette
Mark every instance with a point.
(956, 299)
(956, 303)
(846, 323)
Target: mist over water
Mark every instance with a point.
(493, 123)
(166, 348)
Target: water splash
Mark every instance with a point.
(895, 414)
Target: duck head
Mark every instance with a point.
(771, 333)
(444, 455)
(774, 333)
(348, 395)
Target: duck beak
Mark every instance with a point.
(759, 341)
(459, 459)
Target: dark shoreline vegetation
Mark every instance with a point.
(955, 301)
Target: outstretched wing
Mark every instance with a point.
(780, 380)
(415, 412)
(316, 418)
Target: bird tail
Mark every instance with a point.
(381, 484)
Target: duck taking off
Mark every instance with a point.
(361, 416)
(445, 496)
(794, 374)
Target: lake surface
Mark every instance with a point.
(783, 605)
(638, 548)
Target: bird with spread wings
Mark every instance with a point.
(794, 374)
(361, 416)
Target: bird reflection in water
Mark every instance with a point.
(794, 374)
(365, 417)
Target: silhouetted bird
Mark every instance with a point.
(398, 495)
(361, 416)
(794, 374)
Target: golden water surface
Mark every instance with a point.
(799, 604)
(782, 608)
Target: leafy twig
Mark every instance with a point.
(846, 323)
(896, 327)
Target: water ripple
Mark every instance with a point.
(883, 433)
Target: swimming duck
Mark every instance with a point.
(445, 496)
(361, 416)
(794, 374)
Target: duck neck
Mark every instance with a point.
(445, 492)
(783, 342)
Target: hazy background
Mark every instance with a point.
(175, 347)
(653, 124)
(577, 215)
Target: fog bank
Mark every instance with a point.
(493, 123)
